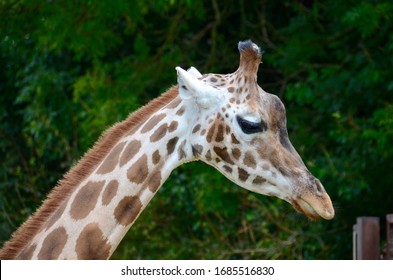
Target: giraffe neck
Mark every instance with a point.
(93, 219)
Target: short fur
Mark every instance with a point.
(85, 166)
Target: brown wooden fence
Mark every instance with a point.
(366, 239)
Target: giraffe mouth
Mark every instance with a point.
(314, 207)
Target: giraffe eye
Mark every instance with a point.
(249, 127)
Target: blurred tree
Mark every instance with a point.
(72, 68)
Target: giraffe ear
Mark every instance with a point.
(190, 87)
(193, 71)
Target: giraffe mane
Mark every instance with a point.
(79, 172)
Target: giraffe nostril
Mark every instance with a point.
(319, 186)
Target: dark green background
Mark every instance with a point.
(69, 69)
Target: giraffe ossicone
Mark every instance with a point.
(227, 121)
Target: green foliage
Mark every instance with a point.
(72, 68)
(366, 22)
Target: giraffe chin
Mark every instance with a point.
(314, 207)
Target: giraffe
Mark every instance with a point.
(226, 121)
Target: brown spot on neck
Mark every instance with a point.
(53, 244)
(156, 157)
(56, 215)
(112, 159)
(159, 133)
(86, 200)
(174, 103)
(173, 126)
(138, 172)
(152, 122)
(181, 111)
(27, 253)
(196, 128)
(92, 244)
(110, 192)
(181, 152)
(130, 151)
(154, 181)
(171, 145)
(127, 210)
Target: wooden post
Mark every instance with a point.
(389, 236)
(366, 231)
(354, 242)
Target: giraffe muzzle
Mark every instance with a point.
(314, 206)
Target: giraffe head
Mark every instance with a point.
(241, 130)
